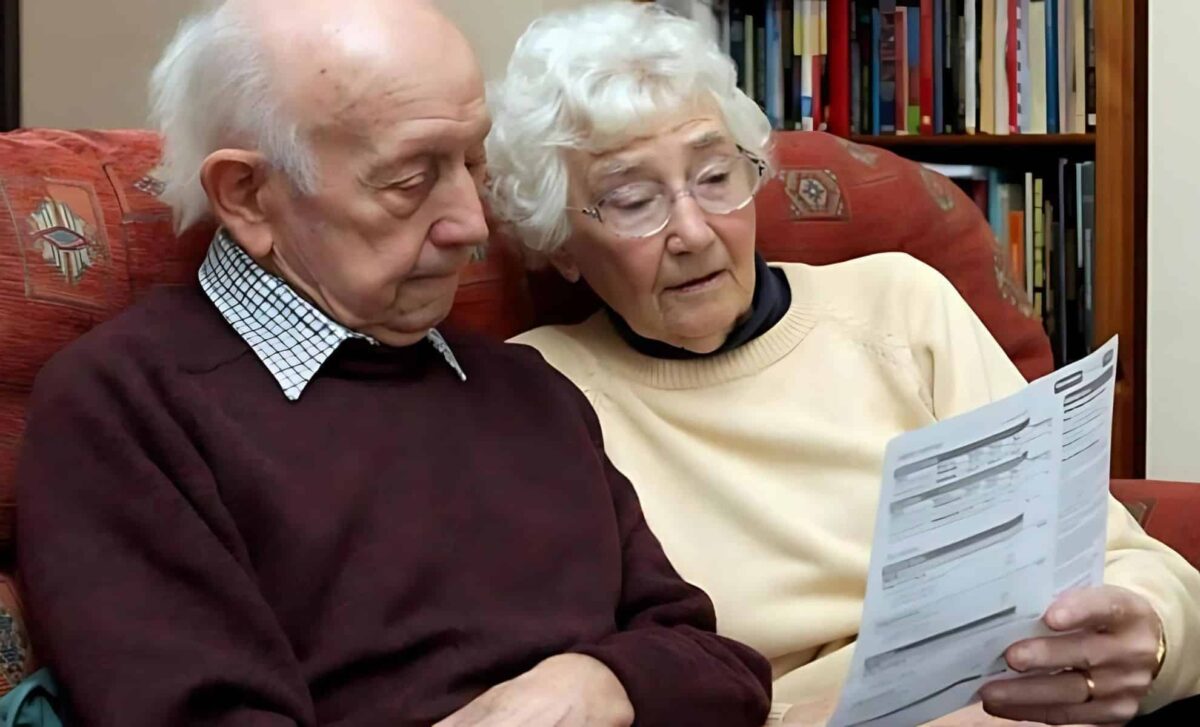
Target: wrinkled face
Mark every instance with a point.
(380, 245)
(690, 283)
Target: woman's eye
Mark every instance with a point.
(715, 178)
(631, 204)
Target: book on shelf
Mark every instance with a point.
(915, 67)
(1044, 223)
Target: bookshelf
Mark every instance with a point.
(1118, 148)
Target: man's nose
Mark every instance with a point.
(462, 221)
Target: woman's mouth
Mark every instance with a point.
(699, 284)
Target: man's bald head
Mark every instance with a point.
(267, 74)
(340, 62)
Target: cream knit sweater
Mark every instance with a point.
(759, 468)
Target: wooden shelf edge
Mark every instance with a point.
(977, 140)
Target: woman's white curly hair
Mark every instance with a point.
(594, 79)
(213, 89)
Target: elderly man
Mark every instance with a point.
(280, 497)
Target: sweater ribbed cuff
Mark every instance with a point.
(779, 710)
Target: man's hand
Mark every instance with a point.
(1096, 671)
(570, 690)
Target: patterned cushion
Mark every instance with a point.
(16, 658)
(832, 200)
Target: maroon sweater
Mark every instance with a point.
(198, 550)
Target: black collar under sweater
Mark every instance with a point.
(772, 298)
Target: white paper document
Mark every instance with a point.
(983, 520)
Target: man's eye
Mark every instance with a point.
(408, 184)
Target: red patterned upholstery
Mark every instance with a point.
(833, 200)
(82, 236)
(1167, 510)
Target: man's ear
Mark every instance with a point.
(564, 262)
(235, 180)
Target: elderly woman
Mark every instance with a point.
(750, 403)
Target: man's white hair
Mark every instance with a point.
(213, 89)
(594, 79)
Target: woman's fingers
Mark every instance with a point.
(1079, 650)
(1103, 608)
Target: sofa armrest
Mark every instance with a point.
(1168, 511)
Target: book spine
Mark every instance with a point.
(987, 68)
(815, 26)
(1039, 248)
(1016, 246)
(970, 67)
(856, 72)
(788, 54)
(840, 67)
(890, 77)
(1000, 89)
(940, 65)
(876, 73)
(760, 63)
(804, 55)
(1037, 67)
(1028, 236)
(1087, 223)
(913, 17)
(819, 118)
(1078, 210)
(1024, 84)
(1065, 74)
(774, 61)
(737, 42)
(1079, 51)
(1060, 264)
(926, 98)
(725, 26)
(1052, 125)
(995, 212)
(901, 16)
(1050, 301)
(1011, 72)
(1090, 11)
(748, 83)
(866, 63)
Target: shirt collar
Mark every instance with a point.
(292, 337)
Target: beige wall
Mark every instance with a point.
(494, 25)
(85, 62)
(1173, 346)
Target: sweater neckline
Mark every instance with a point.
(746, 360)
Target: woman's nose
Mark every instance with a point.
(689, 230)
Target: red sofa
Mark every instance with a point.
(82, 236)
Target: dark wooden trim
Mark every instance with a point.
(10, 65)
(1141, 225)
(1121, 84)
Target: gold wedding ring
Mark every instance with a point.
(1091, 686)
